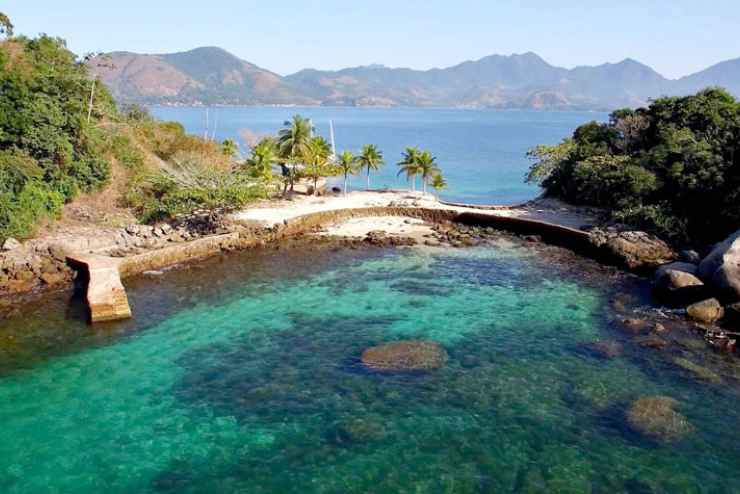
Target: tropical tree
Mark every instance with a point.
(348, 165)
(316, 158)
(438, 183)
(263, 156)
(409, 165)
(6, 27)
(427, 168)
(371, 158)
(230, 148)
(293, 144)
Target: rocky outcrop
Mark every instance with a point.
(708, 311)
(405, 356)
(633, 249)
(677, 284)
(656, 418)
(721, 268)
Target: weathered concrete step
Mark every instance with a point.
(106, 296)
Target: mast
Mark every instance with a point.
(331, 140)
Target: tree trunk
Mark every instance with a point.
(368, 178)
(345, 184)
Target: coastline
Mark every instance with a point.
(377, 218)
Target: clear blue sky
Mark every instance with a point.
(676, 37)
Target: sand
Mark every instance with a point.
(275, 212)
(391, 225)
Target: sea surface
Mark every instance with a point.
(241, 374)
(481, 152)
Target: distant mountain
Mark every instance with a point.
(725, 74)
(214, 76)
(204, 75)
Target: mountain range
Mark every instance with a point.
(213, 76)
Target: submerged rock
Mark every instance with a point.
(633, 325)
(656, 418)
(606, 349)
(651, 341)
(721, 268)
(405, 356)
(698, 371)
(357, 430)
(708, 311)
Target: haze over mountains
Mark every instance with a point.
(214, 76)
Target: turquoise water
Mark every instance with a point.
(482, 152)
(241, 375)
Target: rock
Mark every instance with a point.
(656, 418)
(651, 341)
(405, 356)
(701, 373)
(707, 311)
(358, 430)
(606, 349)
(53, 279)
(676, 284)
(732, 315)
(10, 244)
(636, 325)
(153, 273)
(721, 268)
(58, 252)
(689, 256)
(633, 249)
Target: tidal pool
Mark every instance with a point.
(242, 374)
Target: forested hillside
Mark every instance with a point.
(62, 137)
(672, 167)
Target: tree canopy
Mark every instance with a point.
(673, 167)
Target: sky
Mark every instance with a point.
(675, 37)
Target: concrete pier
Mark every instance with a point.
(106, 296)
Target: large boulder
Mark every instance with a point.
(677, 284)
(633, 249)
(656, 418)
(721, 268)
(405, 356)
(708, 311)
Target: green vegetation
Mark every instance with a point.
(415, 162)
(348, 165)
(49, 152)
(673, 167)
(371, 158)
(61, 135)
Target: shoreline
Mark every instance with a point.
(380, 218)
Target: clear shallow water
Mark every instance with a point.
(482, 152)
(241, 375)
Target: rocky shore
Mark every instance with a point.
(704, 290)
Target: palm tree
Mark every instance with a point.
(293, 144)
(371, 158)
(410, 164)
(316, 159)
(439, 183)
(427, 167)
(348, 165)
(264, 155)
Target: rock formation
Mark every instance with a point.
(405, 356)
